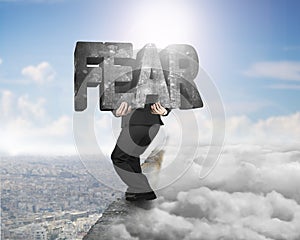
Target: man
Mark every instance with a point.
(139, 127)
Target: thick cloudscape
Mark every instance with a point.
(40, 74)
(253, 193)
(283, 70)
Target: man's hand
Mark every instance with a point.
(123, 110)
(157, 108)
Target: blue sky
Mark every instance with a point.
(251, 49)
(229, 36)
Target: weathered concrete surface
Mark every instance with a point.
(166, 76)
(151, 79)
(117, 212)
(94, 64)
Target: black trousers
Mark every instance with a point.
(132, 142)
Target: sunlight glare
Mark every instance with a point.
(161, 22)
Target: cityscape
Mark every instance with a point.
(50, 198)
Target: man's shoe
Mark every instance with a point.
(149, 195)
(129, 194)
(140, 196)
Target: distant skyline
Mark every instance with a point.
(251, 49)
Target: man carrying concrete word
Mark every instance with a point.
(139, 127)
(136, 89)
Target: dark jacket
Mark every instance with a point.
(142, 116)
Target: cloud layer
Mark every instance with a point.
(253, 193)
(22, 114)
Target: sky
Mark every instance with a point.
(251, 52)
(250, 49)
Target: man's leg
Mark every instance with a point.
(132, 142)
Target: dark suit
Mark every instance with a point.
(138, 130)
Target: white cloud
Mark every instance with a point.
(119, 232)
(283, 70)
(286, 86)
(30, 109)
(258, 170)
(1, 61)
(40, 74)
(280, 130)
(27, 129)
(6, 103)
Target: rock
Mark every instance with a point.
(117, 212)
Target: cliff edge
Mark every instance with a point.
(117, 212)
